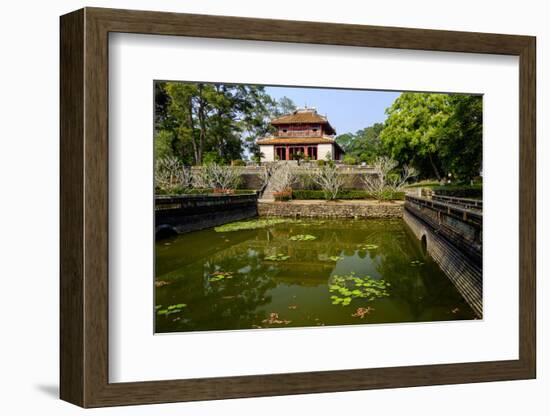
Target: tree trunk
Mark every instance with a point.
(192, 127)
(202, 126)
(434, 167)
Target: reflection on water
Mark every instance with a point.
(224, 281)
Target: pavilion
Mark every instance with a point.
(301, 134)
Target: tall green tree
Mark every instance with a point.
(365, 145)
(437, 133)
(463, 149)
(212, 122)
(413, 131)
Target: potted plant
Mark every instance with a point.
(282, 196)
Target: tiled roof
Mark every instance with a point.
(302, 116)
(295, 140)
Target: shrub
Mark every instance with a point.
(321, 162)
(238, 162)
(349, 160)
(460, 191)
(283, 195)
(346, 194)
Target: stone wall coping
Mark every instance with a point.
(342, 203)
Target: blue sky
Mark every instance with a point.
(347, 110)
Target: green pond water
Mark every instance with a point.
(298, 274)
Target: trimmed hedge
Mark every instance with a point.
(343, 194)
(460, 191)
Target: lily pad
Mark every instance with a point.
(351, 287)
(220, 275)
(368, 246)
(302, 237)
(277, 257)
(171, 309)
(250, 225)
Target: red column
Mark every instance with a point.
(286, 153)
(305, 151)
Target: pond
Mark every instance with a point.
(289, 273)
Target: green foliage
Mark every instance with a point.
(461, 191)
(364, 145)
(423, 184)
(436, 133)
(335, 258)
(349, 160)
(302, 237)
(250, 225)
(385, 194)
(345, 194)
(351, 287)
(238, 162)
(211, 158)
(321, 162)
(210, 122)
(164, 144)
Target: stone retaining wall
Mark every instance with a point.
(463, 273)
(322, 209)
(182, 214)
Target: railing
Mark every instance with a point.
(450, 209)
(467, 203)
(201, 201)
(461, 226)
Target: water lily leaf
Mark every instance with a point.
(302, 237)
(351, 287)
(250, 225)
(277, 257)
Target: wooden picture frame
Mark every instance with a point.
(84, 207)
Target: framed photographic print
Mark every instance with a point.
(255, 207)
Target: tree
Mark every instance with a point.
(437, 133)
(214, 119)
(218, 177)
(164, 144)
(462, 153)
(330, 179)
(364, 145)
(413, 131)
(171, 175)
(281, 177)
(284, 106)
(385, 182)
